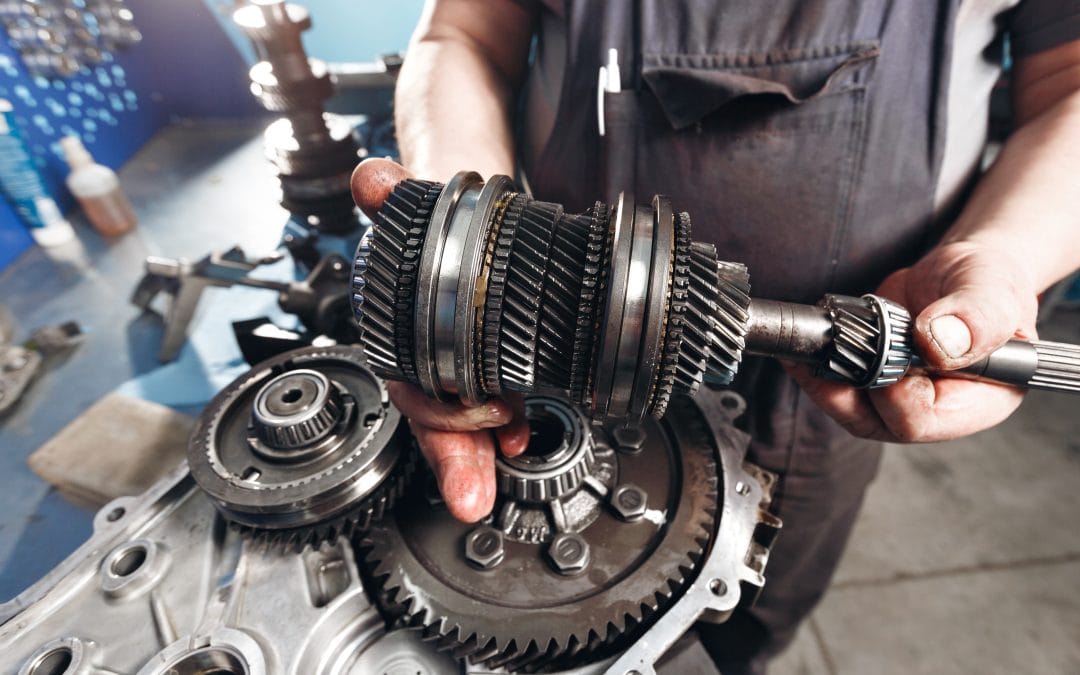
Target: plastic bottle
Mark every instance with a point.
(97, 189)
(21, 183)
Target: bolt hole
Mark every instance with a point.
(291, 396)
(116, 514)
(729, 402)
(129, 561)
(718, 587)
(55, 662)
(252, 474)
(371, 418)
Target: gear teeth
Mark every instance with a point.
(384, 278)
(523, 298)
(675, 319)
(871, 345)
(561, 303)
(729, 319)
(494, 302)
(471, 635)
(588, 306)
(355, 521)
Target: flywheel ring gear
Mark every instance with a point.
(343, 476)
(489, 617)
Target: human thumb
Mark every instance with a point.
(372, 182)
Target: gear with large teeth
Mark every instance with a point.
(302, 448)
(599, 573)
(384, 278)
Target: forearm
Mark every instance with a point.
(1029, 203)
(457, 86)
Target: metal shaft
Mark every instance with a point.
(809, 333)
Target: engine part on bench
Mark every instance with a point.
(470, 290)
(314, 151)
(21, 363)
(164, 587)
(302, 448)
(320, 301)
(596, 532)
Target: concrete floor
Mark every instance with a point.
(966, 558)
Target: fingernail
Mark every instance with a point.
(952, 335)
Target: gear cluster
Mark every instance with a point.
(491, 291)
(302, 449)
(572, 519)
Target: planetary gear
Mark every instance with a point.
(302, 448)
(570, 517)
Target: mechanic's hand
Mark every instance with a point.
(967, 299)
(458, 441)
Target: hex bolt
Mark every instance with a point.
(569, 553)
(629, 439)
(629, 502)
(484, 547)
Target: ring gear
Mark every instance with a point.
(415, 558)
(302, 448)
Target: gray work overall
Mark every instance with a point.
(806, 140)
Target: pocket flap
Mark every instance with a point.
(690, 86)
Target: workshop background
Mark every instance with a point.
(965, 559)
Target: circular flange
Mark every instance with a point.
(432, 281)
(612, 328)
(335, 471)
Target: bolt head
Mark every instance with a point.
(629, 502)
(569, 553)
(629, 438)
(484, 547)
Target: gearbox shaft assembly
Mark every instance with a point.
(471, 289)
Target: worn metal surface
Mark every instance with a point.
(165, 587)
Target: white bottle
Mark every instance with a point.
(97, 189)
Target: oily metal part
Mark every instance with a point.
(303, 447)
(163, 587)
(384, 278)
(871, 345)
(591, 592)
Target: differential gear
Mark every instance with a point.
(303, 447)
(598, 573)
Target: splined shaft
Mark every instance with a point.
(471, 290)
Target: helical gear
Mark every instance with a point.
(872, 345)
(384, 278)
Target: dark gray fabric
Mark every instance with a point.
(1037, 25)
(805, 138)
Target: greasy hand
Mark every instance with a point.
(459, 442)
(968, 299)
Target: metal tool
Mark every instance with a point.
(320, 301)
(471, 289)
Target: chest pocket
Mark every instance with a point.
(754, 120)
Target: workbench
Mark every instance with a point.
(196, 187)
